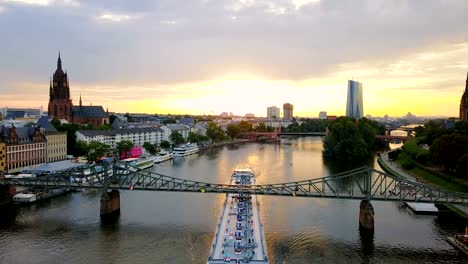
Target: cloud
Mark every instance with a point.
(300, 3)
(115, 17)
(43, 2)
(30, 2)
(172, 43)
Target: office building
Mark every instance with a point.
(288, 111)
(273, 112)
(354, 105)
(323, 115)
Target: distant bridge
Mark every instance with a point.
(302, 134)
(390, 137)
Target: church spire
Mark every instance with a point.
(466, 87)
(59, 62)
(80, 101)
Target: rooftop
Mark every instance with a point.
(93, 133)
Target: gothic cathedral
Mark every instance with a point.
(60, 104)
(464, 103)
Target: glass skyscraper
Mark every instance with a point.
(354, 105)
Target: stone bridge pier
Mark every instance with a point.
(110, 203)
(366, 216)
(6, 192)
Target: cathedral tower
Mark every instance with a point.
(464, 103)
(60, 104)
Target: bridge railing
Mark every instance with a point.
(360, 183)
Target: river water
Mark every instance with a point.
(163, 227)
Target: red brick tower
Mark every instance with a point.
(464, 103)
(60, 104)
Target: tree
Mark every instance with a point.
(345, 143)
(150, 148)
(261, 127)
(169, 121)
(245, 126)
(96, 150)
(448, 149)
(214, 132)
(105, 127)
(294, 127)
(55, 123)
(177, 138)
(124, 146)
(233, 131)
(461, 127)
(462, 167)
(81, 149)
(165, 144)
(71, 136)
(193, 137)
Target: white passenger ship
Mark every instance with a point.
(239, 237)
(133, 164)
(187, 149)
(163, 156)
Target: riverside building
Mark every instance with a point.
(25, 146)
(273, 112)
(138, 136)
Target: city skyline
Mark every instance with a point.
(206, 57)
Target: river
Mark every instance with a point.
(163, 227)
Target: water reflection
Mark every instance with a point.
(165, 227)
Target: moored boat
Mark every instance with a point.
(460, 241)
(163, 156)
(140, 163)
(187, 149)
(37, 195)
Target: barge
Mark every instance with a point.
(239, 236)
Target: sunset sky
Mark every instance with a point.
(240, 56)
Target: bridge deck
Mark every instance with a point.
(357, 184)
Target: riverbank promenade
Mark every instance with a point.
(398, 171)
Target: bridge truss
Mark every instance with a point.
(358, 184)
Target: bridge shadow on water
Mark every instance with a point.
(9, 213)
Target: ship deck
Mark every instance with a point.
(252, 245)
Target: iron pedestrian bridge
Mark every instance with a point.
(359, 184)
(363, 184)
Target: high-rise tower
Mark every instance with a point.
(60, 104)
(464, 102)
(354, 105)
(288, 111)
